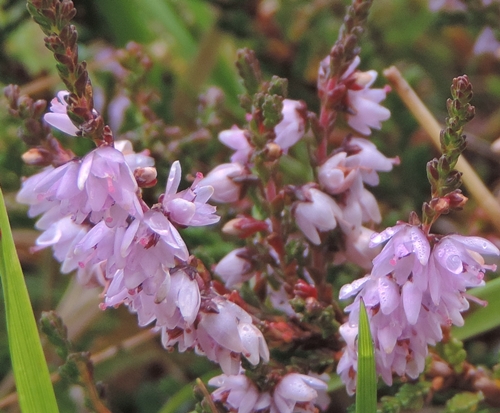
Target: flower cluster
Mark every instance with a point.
(293, 393)
(94, 218)
(414, 288)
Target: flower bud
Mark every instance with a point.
(37, 157)
(145, 177)
(244, 227)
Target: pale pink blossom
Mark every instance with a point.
(223, 336)
(449, 5)
(98, 186)
(237, 139)
(188, 207)
(294, 393)
(235, 267)
(361, 103)
(222, 180)
(412, 290)
(487, 42)
(58, 115)
(292, 127)
(134, 160)
(317, 213)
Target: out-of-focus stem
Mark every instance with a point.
(106, 354)
(470, 179)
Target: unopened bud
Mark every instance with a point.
(244, 227)
(37, 157)
(145, 177)
(304, 290)
(273, 151)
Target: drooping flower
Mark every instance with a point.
(58, 115)
(223, 336)
(188, 207)
(292, 126)
(237, 139)
(221, 179)
(234, 268)
(317, 213)
(356, 98)
(294, 393)
(487, 42)
(413, 290)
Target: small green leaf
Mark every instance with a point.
(465, 402)
(36, 394)
(366, 386)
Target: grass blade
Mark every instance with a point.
(366, 386)
(36, 394)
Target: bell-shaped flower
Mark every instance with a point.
(222, 180)
(237, 392)
(293, 125)
(235, 267)
(317, 213)
(335, 175)
(58, 115)
(297, 392)
(237, 139)
(225, 335)
(188, 207)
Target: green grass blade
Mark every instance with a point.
(366, 386)
(483, 318)
(36, 394)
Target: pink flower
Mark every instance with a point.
(412, 290)
(237, 392)
(222, 180)
(237, 139)
(487, 42)
(297, 391)
(58, 118)
(292, 126)
(352, 94)
(99, 186)
(222, 336)
(317, 213)
(450, 5)
(235, 268)
(294, 393)
(134, 160)
(188, 207)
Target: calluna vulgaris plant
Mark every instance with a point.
(278, 344)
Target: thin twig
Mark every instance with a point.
(106, 354)
(471, 180)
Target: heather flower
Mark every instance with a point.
(234, 268)
(188, 207)
(487, 42)
(292, 126)
(450, 5)
(294, 393)
(360, 102)
(412, 290)
(317, 213)
(224, 335)
(237, 139)
(58, 116)
(221, 179)
(134, 160)
(98, 186)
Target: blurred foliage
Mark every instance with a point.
(192, 46)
